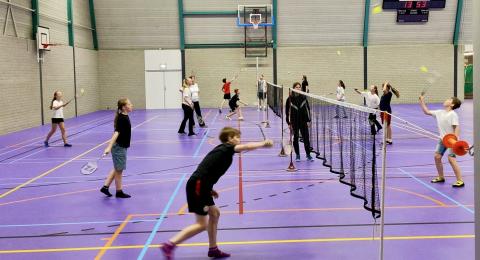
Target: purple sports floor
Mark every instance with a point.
(48, 210)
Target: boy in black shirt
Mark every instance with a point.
(234, 106)
(200, 192)
(118, 145)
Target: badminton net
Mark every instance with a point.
(342, 136)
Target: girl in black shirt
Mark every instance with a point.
(387, 109)
(305, 84)
(200, 192)
(118, 145)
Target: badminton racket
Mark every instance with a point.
(82, 91)
(91, 166)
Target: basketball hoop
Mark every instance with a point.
(45, 45)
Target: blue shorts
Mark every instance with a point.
(119, 157)
(441, 149)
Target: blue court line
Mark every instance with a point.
(170, 201)
(437, 191)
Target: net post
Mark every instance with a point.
(282, 150)
(382, 198)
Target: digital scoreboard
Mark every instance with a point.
(412, 11)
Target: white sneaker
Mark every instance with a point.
(228, 118)
(240, 118)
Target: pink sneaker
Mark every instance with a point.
(167, 250)
(216, 253)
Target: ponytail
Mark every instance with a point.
(53, 99)
(120, 103)
(375, 89)
(341, 84)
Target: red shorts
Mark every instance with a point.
(386, 116)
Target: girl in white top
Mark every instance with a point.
(196, 100)
(373, 101)
(340, 97)
(187, 106)
(57, 106)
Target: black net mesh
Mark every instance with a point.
(341, 136)
(275, 98)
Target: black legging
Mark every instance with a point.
(187, 115)
(372, 118)
(305, 136)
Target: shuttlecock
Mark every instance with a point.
(339, 53)
(82, 90)
(377, 9)
(423, 69)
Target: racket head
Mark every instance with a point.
(89, 168)
(287, 146)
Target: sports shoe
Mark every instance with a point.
(105, 191)
(437, 180)
(458, 184)
(122, 195)
(67, 145)
(240, 118)
(167, 250)
(216, 253)
(310, 158)
(45, 143)
(228, 118)
(297, 158)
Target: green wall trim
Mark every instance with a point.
(458, 22)
(366, 21)
(209, 13)
(274, 28)
(70, 22)
(93, 24)
(213, 45)
(35, 18)
(181, 24)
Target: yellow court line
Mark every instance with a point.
(62, 164)
(247, 242)
(113, 237)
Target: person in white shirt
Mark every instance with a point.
(196, 100)
(373, 101)
(447, 122)
(57, 106)
(262, 93)
(187, 106)
(340, 97)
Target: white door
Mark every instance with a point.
(163, 79)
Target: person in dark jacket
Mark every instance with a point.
(298, 118)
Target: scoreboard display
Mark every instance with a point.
(412, 11)
(399, 4)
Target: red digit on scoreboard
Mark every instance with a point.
(422, 4)
(408, 4)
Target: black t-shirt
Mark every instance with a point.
(233, 101)
(385, 102)
(124, 129)
(304, 85)
(215, 164)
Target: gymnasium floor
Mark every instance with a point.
(50, 211)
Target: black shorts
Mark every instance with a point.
(226, 96)
(199, 196)
(233, 107)
(261, 95)
(57, 120)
